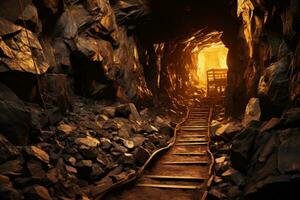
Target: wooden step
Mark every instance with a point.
(191, 144)
(168, 186)
(203, 153)
(175, 177)
(192, 140)
(201, 162)
(192, 135)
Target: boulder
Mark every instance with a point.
(88, 141)
(66, 128)
(273, 88)
(292, 117)
(141, 155)
(101, 186)
(15, 120)
(12, 167)
(227, 131)
(234, 176)
(16, 59)
(272, 123)
(109, 111)
(37, 192)
(7, 150)
(9, 193)
(252, 111)
(84, 168)
(37, 153)
(242, 145)
(31, 19)
(105, 143)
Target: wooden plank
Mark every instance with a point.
(176, 177)
(191, 144)
(192, 140)
(201, 162)
(194, 127)
(192, 135)
(168, 186)
(190, 153)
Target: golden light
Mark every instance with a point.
(213, 56)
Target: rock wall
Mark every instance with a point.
(270, 31)
(81, 39)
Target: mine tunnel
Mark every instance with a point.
(149, 99)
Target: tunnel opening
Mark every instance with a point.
(211, 67)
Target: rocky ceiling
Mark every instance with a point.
(161, 21)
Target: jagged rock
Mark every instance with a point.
(84, 168)
(66, 128)
(16, 59)
(241, 146)
(124, 132)
(145, 113)
(134, 115)
(292, 117)
(141, 155)
(7, 150)
(127, 158)
(97, 81)
(31, 19)
(14, 118)
(38, 153)
(9, 193)
(88, 152)
(71, 160)
(36, 170)
(166, 130)
(71, 169)
(233, 175)
(288, 153)
(37, 192)
(88, 141)
(128, 144)
(101, 186)
(273, 88)
(109, 111)
(97, 171)
(220, 159)
(52, 175)
(123, 110)
(38, 117)
(215, 125)
(148, 128)
(4, 180)
(138, 140)
(252, 111)
(110, 125)
(234, 192)
(218, 179)
(215, 194)
(119, 148)
(105, 143)
(228, 130)
(12, 167)
(128, 111)
(272, 123)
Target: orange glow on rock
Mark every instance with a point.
(211, 57)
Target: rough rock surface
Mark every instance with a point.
(83, 155)
(15, 119)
